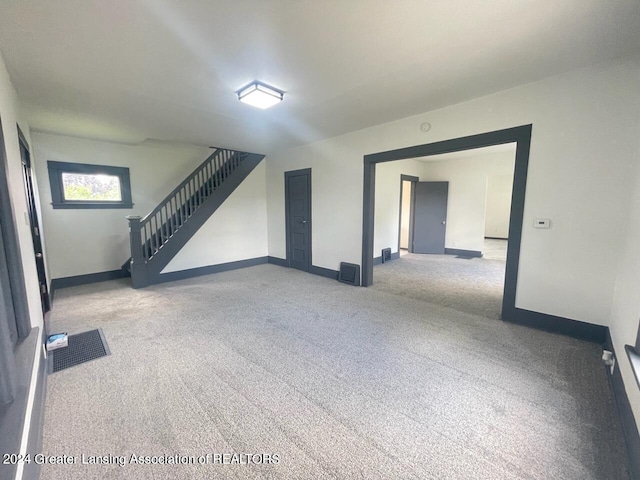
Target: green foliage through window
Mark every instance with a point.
(78, 187)
(90, 186)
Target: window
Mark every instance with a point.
(80, 185)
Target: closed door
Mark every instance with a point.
(298, 208)
(430, 217)
(35, 226)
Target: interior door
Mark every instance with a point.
(298, 207)
(35, 225)
(430, 216)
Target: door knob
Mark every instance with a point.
(38, 255)
(303, 222)
(444, 222)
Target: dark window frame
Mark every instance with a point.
(56, 169)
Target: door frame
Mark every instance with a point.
(287, 175)
(45, 297)
(520, 135)
(412, 200)
(12, 249)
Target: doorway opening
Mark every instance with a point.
(449, 261)
(520, 137)
(405, 232)
(497, 210)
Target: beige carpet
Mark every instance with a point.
(472, 286)
(340, 382)
(494, 249)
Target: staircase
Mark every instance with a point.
(156, 238)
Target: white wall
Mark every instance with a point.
(236, 231)
(387, 206)
(625, 311)
(496, 218)
(10, 117)
(467, 177)
(584, 139)
(336, 228)
(90, 241)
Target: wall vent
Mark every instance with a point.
(349, 273)
(386, 255)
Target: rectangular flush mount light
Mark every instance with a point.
(260, 95)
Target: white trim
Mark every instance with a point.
(28, 414)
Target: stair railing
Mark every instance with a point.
(150, 233)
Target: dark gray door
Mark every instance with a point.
(298, 208)
(430, 216)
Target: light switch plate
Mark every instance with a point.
(542, 223)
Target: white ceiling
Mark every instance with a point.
(128, 70)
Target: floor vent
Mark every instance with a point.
(386, 255)
(349, 273)
(82, 348)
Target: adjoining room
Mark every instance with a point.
(453, 227)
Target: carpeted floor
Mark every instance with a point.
(472, 286)
(340, 382)
(495, 249)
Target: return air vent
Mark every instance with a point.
(349, 273)
(386, 255)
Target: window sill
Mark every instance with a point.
(634, 360)
(89, 205)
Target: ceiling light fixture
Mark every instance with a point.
(260, 95)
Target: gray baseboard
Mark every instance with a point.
(278, 261)
(378, 260)
(625, 413)
(324, 272)
(321, 271)
(209, 269)
(551, 323)
(465, 253)
(85, 279)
